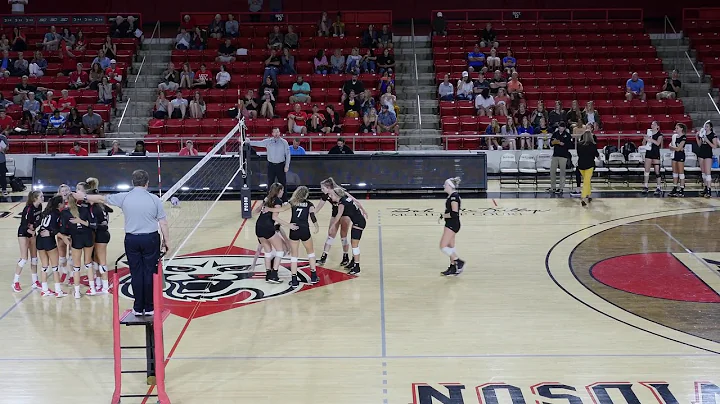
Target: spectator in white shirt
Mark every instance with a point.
(465, 87)
(179, 106)
(446, 91)
(222, 78)
(484, 103)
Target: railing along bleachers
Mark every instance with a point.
(582, 55)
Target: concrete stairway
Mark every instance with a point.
(139, 96)
(416, 132)
(694, 93)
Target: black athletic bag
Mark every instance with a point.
(16, 184)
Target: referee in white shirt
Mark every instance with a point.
(143, 212)
(278, 157)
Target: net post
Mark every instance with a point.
(116, 340)
(244, 152)
(158, 286)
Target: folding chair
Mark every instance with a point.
(527, 170)
(509, 167)
(616, 167)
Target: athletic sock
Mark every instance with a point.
(34, 278)
(44, 287)
(77, 289)
(57, 287)
(17, 278)
(105, 284)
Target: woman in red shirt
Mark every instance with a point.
(188, 150)
(203, 78)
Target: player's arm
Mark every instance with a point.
(341, 209)
(320, 205)
(680, 146)
(359, 205)
(658, 142)
(277, 220)
(260, 207)
(313, 219)
(454, 210)
(716, 143)
(285, 206)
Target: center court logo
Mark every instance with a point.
(223, 279)
(492, 211)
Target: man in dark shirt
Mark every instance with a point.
(23, 89)
(354, 84)
(439, 25)
(561, 141)
(480, 84)
(251, 103)
(671, 87)
(557, 115)
(272, 66)
(226, 52)
(340, 148)
(488, 37)
(497, 82)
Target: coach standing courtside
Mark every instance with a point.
(278, 157)
(143, 211)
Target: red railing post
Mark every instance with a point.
(116, 339)
(159, 286)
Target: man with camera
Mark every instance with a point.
(671, 87)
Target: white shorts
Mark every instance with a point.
(297, 129)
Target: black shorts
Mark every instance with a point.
(46, 243)
(302, 234)
(265, 232)
(23, 232)
(679, 157)
(652, 155)
(355, 233)
(704, 155)
(453, 225)
(82, 240)
(102, 237)
(334, 211)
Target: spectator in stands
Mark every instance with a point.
(484, 103)
(291, 38)
(19, 41)
(338, 27)
(561, 143)
(439, 25)
(465, 88)
(353, 61)
(324, 25)
(502, 102)
(385, 82)
(515, 90)
(120, 27)
(134, 30)
(254, 6)
(275, 38)
(31, 104)
(4, 102)
(296, 149)
(493, 61)
(203, 78)
(171, 79)
(251, 103)
(6, 65)
(385, 36)
(446, 90)
(337, 62)
(287, 62)
(238, 111)
(368, 63)
(369, 123)
(188, 150)
(197, 106)
(67, 37)
(574, 117)
(510, 134)
(331, 122)
(493, 130)
(24, 90)
(352, 105)
(297, 119)
(476, 59)
(80, 42)
(232, 27)
(386, 62)
(525, 130)
(366, 102)
(540, 112)
(387, 121)
(591, 116)
(73, 122)
(222, 78)
(635, 88)
(671, 87)
(179, 106)
(390, 100)
(226, 52)
(187, 76)
(51, 41)
(557, 115)
(352, 85)
(197, 39)
(115, 150)
(6, 123)
(272, 66)
(340, 147)
(105, 92)
(497, 82)
(114, 76)
(316, 120)
(187, 23)
(509, 62)
(28, 124)
(56, 124)
(163, 108)
(93, 125)
(543, 133)
(320, 62)
(48, 105)
(216, 29)
(140, 149)
(182, 40)
(369, 37)
(479, 85)
(300, 90)
(4, 43)
(95, 77)
(269, 91)
(488, 37)
(68, 59)
(38, 65)
(109, 48)
(102, 60)
(78, 150)
(21, 66)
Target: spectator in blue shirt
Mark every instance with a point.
(387, 121)
(509, 62)
(102, 60)
(56, 123)
(476, 59)
(296, 149)
(300, 90)
(635, 88)
(232, 27)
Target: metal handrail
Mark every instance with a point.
(488, 14)
(417, 76)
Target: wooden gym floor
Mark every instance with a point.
(598, 301)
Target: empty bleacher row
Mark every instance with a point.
(702, 26)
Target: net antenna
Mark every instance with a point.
(190, 201)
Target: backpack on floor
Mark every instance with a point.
(16, 184)
(628, 148)
(609, 150)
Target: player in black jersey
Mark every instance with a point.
(344, 224)
(452, 227)
(677, 145)
(653, 141)
(348, 207)
(267, 235)
(99, 220)
(707, 141)
(29, 221)
(302, 211)
(47, 231)
(76, 224)
(63, 248)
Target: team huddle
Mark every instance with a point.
(64, 235)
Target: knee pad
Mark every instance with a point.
(447, 251)
(33, 261)
(330, 240)
(682, 176)
(95, 266)
(54, 269)
(88, 266)
(21, 263)
(675, 175)
(311, 255)
(294, 260)
(45, 269)
(102, 269)
(76, 269)
(356, 250)
(345, 241)
(707, 177)
(279, 254)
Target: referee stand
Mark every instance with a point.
(154, 349)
